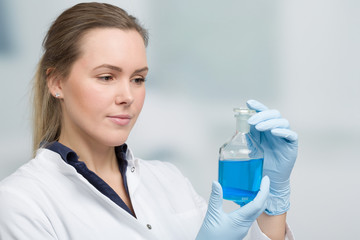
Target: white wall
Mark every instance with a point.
(300, 57)
(320, 91)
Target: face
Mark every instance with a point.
(104, 92)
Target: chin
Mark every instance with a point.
(115, 141)
(113, 138)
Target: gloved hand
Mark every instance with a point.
(235, 225)
(280, 146)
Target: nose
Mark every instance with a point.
(124, 95)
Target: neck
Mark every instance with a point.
(98, 158)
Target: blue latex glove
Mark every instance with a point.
(280, 145)
(219, 225)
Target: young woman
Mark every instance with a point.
(85, 183)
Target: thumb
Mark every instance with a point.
(211, 221)
(216, 197)
(252, 210)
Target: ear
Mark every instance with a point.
(54, 83)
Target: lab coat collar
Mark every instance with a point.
(132, 172)
(132, 161)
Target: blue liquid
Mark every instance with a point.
(240, 180)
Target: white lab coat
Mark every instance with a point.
(47, 199)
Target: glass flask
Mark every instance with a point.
(241, 162)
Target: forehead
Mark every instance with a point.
(112, 45)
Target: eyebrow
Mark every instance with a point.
(112, 67)
(141, 70)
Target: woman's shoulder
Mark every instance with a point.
(17, 190)
(22, 176)
(30, 176)
(22, 199)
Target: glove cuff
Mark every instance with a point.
(279, 200)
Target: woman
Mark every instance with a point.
(85, 183)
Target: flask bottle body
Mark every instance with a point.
(241, 163)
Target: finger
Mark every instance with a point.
(253, 209)
(263, 116)
(255, 105)
(254, 133)
(272, 124)
(285, 133)
(260, 199)
(216, 197)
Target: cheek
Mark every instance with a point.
(140, 99)
(88, 99)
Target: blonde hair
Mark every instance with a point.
(61, 50)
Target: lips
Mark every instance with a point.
(121, 120)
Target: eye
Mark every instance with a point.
(106, 78)
(138, 80)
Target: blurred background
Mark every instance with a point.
(206, 57)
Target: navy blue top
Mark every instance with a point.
(71, 158)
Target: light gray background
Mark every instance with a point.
(206, 57)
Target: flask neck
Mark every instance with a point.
(242, 116)
(242, 124)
